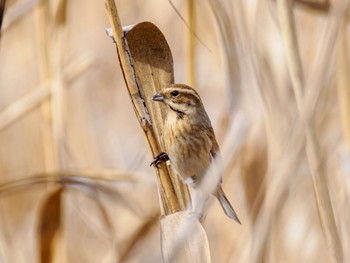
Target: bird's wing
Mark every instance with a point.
(216, 161)
(215, 150)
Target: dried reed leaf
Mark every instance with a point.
(49, 225)
(153, 65)
(181, 232)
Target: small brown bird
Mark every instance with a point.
(190, 143)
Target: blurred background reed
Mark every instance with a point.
(75, 182)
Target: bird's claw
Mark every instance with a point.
(160, 158)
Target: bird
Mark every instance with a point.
(191, 146)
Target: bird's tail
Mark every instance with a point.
(225, 204)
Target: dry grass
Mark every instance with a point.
(75, 182)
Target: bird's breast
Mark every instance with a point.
(188, 148)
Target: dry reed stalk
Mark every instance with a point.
(324, 63)
(316, 162)
(41, 12)
(23, 105)
(230, 47)
(58, 92)
(53, 111)
(191, 43)
(169, 201)
(343, 80)
(50, 69)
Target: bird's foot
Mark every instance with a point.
(160, 158)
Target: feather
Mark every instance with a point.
(226, 206)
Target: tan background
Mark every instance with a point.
(64, 107)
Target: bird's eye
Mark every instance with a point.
(175, 93)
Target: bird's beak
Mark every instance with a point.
(158, 97)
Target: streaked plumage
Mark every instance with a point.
(189, 138)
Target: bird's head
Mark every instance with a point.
(179, 98)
